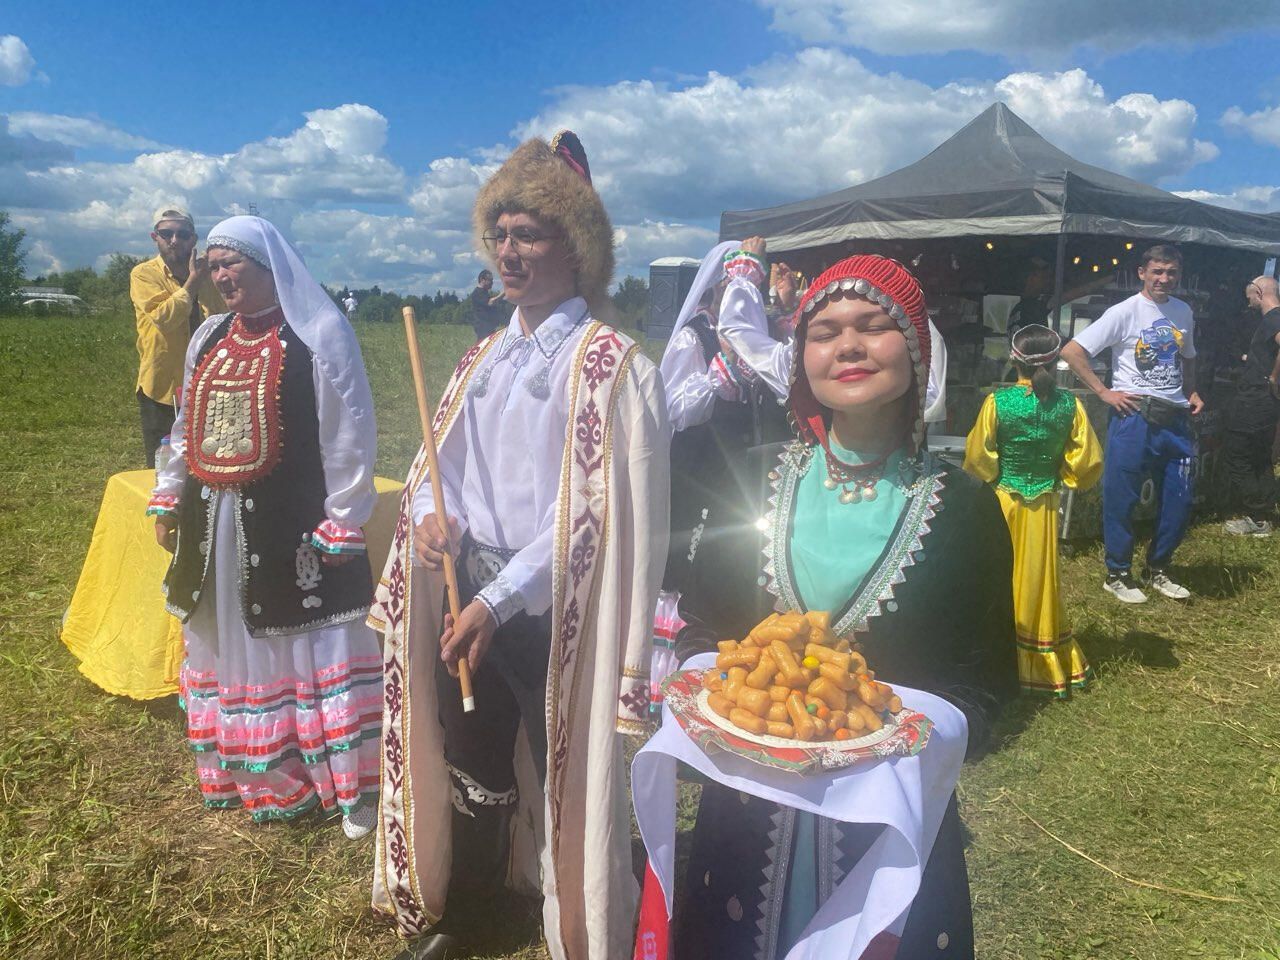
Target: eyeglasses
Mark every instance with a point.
(170, 234)
(523, 240)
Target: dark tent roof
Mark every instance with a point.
(997, 176)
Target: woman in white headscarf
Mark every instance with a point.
(717, 406)
(262, 506)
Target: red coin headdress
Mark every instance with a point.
(881, 281)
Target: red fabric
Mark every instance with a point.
(653, 935)
(570, 149)
(891, 278)
(883, 946)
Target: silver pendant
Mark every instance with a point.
(830, 484)
(479, 386)
(848, 496)
(869, 493)
(539, 385)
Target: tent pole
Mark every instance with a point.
(1058, 270)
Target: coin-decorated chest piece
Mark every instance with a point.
(234, 433)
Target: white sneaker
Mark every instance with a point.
(1160, 582)
(360, 822)
(1248, 527)
(1124, 588)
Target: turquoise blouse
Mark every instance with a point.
(834, 545)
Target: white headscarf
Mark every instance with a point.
(709, 274)
(312, 315)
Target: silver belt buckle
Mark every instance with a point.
(485, 563)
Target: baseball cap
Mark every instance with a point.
(170, 212)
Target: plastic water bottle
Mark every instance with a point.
(164, 453)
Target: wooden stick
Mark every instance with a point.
(437, 490)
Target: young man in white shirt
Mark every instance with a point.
(1152, 398)
(553, 454)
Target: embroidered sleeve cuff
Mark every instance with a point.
(162, 505)
(722, 378)
(336, 540)
(633, 703)
(502, 598)
(745, 265)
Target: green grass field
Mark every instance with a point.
(1140, 820)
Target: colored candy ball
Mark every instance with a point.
(812, 708)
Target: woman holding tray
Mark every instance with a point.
(911, 558)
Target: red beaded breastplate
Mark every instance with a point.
(234, 434)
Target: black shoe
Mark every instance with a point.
(432, 946)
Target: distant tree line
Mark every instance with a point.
(11, 260)
(374, 305)
(108, 292)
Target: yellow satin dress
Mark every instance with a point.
(1026, 449)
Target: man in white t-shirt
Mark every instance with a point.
(1151, 395)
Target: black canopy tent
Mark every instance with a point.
(977, 212)
(997, 178)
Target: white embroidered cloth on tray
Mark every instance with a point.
(906, 794)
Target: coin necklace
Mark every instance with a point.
(857, 481)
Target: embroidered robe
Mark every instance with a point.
(610, 547)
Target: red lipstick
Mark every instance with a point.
(853, 374)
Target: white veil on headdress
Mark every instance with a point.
(310, 311)
(710, 273)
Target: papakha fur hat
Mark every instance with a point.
(552, 181)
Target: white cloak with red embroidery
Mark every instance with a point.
(610, 546)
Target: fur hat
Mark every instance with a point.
(552, 181)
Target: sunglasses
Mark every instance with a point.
(170, 234)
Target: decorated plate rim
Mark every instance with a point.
(765, 740)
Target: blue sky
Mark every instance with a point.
(364, 130)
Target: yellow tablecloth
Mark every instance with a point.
(117, 626)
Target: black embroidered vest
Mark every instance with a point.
(284, 587)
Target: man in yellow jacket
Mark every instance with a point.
(172, 295)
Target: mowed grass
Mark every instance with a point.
(1167, 774)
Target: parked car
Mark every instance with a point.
(67, 302)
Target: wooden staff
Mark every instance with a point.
(437, 490)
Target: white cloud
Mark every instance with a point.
(28, 152)
(798, 126)
(1015, 27)
(667, 159)
(76, 131)
(1262, 125)
(15, 61)
(1137, 134)
(447, 190)
(1254, 199)
(640, 244)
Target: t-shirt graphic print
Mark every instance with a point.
(1148, 342)
(1157, 356)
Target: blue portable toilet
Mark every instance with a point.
(669, 281)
